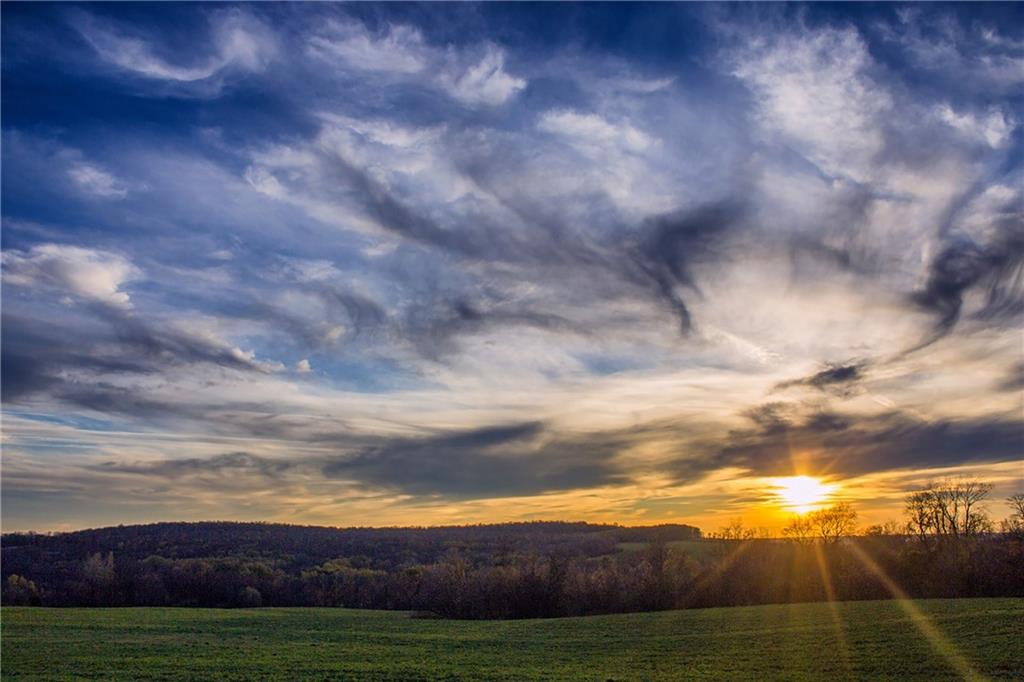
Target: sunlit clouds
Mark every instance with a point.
(388, 265)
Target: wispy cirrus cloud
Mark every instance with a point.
(399, 263)
(400, 49)
(483, 82)
(238, 41)
(816, 90)
(475, 76)
(993, 127)
(94, 180)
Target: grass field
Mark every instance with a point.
(879, 640)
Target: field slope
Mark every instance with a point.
(930, 639)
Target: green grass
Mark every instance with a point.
(764, 642)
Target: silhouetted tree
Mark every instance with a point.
(735, 530)
(800, 528)
(834, 523)
(887, 528)
(1014, 523)
(950, 508)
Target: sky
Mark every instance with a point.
(401, 264)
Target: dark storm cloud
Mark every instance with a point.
(520, 459)
(850, 445)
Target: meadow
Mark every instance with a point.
(925, 639)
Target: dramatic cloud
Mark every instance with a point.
(996, 268)
(445, 263)
(495, 461)
(41, 357)
(846, 445)
(512, 460)
(677, 242)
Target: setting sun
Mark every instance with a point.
(685, 334)
(802, 494)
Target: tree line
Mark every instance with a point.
(946, 547)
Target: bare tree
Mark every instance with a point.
(800, 528)
(836, 522)
(736, 531)
(949, 508)
(921, 517)
(1015, 522)
(1016, 505)
(882, 529)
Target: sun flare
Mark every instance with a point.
(802, 494)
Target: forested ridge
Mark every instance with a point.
(302, 546)
(520, 570)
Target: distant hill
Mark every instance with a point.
(514, 570)
(56, 558)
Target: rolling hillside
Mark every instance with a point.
(927, 640)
